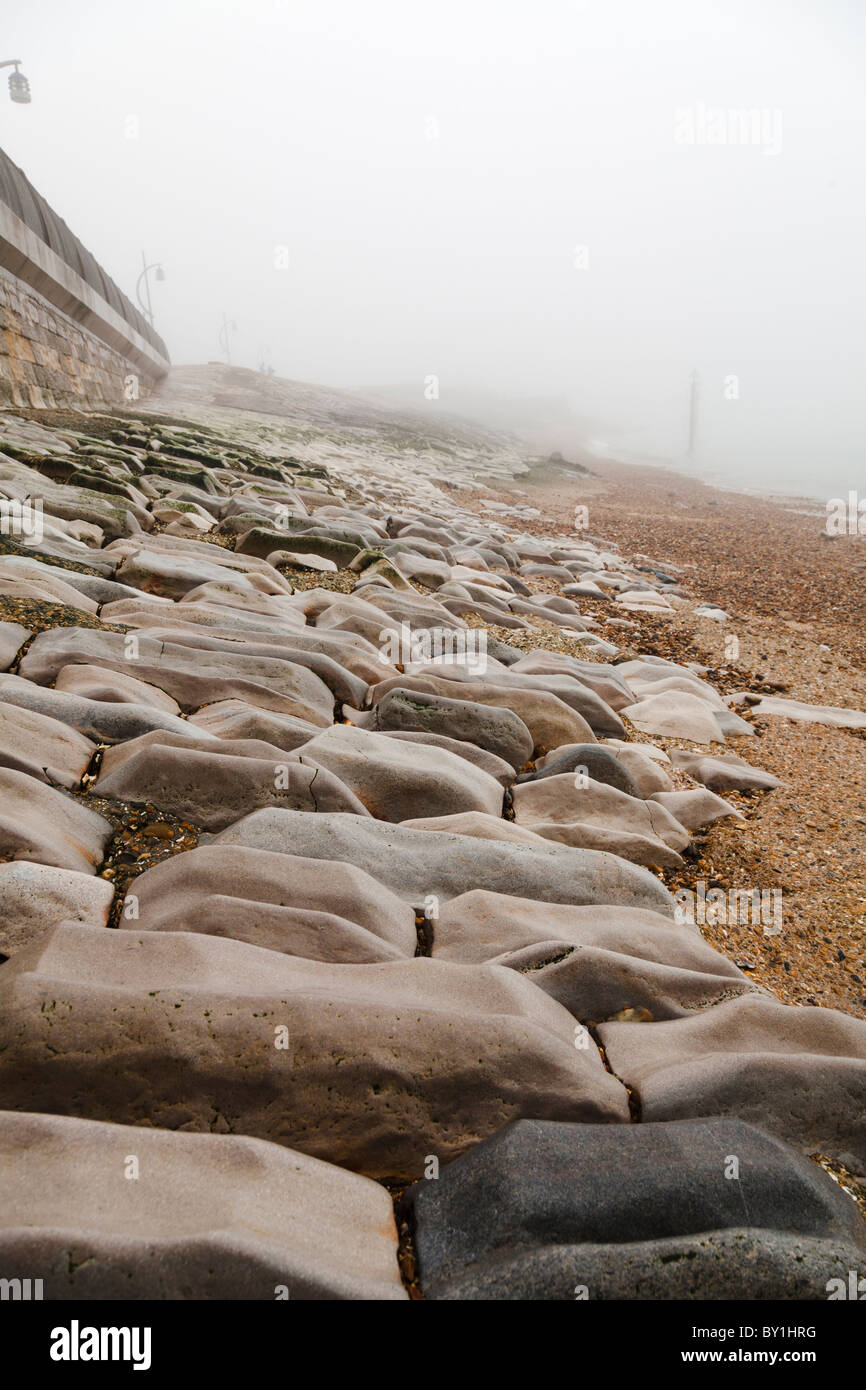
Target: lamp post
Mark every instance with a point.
(159, 275)
(227, 326)
(694, 394)
(19, 87)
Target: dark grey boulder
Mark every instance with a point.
(570, 689)
(601, 766)
(502, 651)
(742, 1265)
(495, 728)
(644, 1211)
(262, 543)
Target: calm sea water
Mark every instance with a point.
(809, 481)
(786, 483)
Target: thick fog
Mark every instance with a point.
(559, 209)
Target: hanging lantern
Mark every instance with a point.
(19, 87)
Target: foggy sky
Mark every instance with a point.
(428, 171)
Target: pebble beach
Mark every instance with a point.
(429, 871)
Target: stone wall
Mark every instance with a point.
(68, 335)
(48, 360)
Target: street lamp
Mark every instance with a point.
(159, 275)
(227, 326)
(19, 87)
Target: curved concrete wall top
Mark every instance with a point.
(37, 246)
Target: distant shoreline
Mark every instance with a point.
(716, 479)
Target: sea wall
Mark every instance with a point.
(68, 335)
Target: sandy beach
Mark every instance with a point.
(796, 605)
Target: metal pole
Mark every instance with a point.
(224, 340)
(693, 414)
(147, 287)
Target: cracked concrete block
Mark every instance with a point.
(799, 1072)
(214, 789)
(372, 1067)
(395, 781)
(596, 961)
